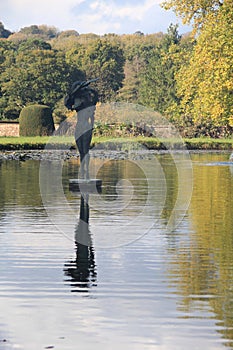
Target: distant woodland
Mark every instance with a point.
(187, 78)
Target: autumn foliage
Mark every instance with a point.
(187, 78)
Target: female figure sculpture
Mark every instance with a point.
(83, 100)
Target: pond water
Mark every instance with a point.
(138, 284)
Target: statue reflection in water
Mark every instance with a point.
(83, 99)
(82, 271)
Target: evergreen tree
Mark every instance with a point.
(158, 86)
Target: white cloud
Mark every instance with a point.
(105, 16)
(20, 13)
(97, 16)
(127, 11)
(136, 12)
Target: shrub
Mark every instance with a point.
(189, 128)
(36, 120)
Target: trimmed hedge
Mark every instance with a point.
(36, 120)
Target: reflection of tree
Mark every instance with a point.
(170, 173)
(82, 271)
(113, 171)
(110, 172)
(19, 183)
(202, 264)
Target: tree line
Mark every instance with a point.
(187, 78)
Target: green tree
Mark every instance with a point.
(102, 59)
(7, 48)
(35, 76)
(158, 86)
(42, 31)
(4, 33)
(7, 54)
(67, 34)
(136, 60)
(137, 50)
(33, 44)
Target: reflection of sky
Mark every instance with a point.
(131, 307)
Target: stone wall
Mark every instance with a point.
(9, 129)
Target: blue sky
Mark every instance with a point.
(90, 16)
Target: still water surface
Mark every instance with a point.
(156, 290)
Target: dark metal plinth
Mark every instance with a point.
(87, 186)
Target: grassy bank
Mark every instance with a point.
(63, 142)
(35, 143)
(153, 143)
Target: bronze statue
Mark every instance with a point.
(83, 100)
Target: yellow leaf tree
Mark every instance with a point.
(194, 11)
(205, 84)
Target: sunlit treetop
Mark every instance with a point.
(193, 11)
